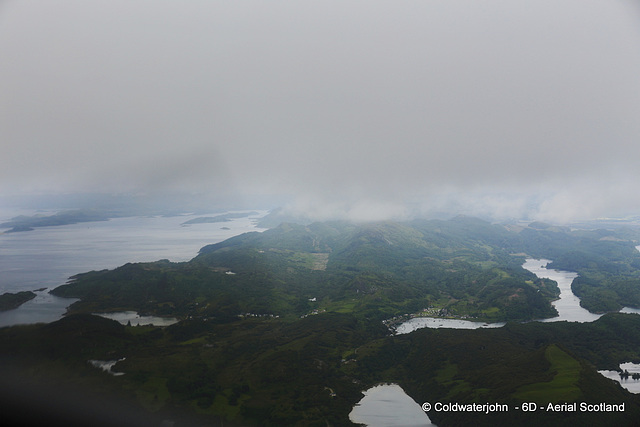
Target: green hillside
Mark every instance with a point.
(285, 327)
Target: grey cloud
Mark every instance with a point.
(348, 107)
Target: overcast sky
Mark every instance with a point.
(358, 108)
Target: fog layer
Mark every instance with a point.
(359, 109)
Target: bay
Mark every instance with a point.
(47, 256)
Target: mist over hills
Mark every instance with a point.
(59, 209)
(374, 112)
(412, 155)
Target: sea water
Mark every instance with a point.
(47, 256)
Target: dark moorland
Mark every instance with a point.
(285, 327)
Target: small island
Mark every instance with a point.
(28, 223)
(19, 228)
(9, 301)
(218, 218)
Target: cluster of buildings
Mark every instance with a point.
(425, 312)
(243, 315)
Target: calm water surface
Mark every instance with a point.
(436, 322)
(567, 305)
(387, 405)
(47, 256)
(630, 384)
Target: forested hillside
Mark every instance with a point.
(285, 327)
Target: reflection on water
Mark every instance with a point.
(387, 405)
(628, 382)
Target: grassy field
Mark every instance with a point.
(562, 388)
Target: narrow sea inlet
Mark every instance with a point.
(568, 304)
